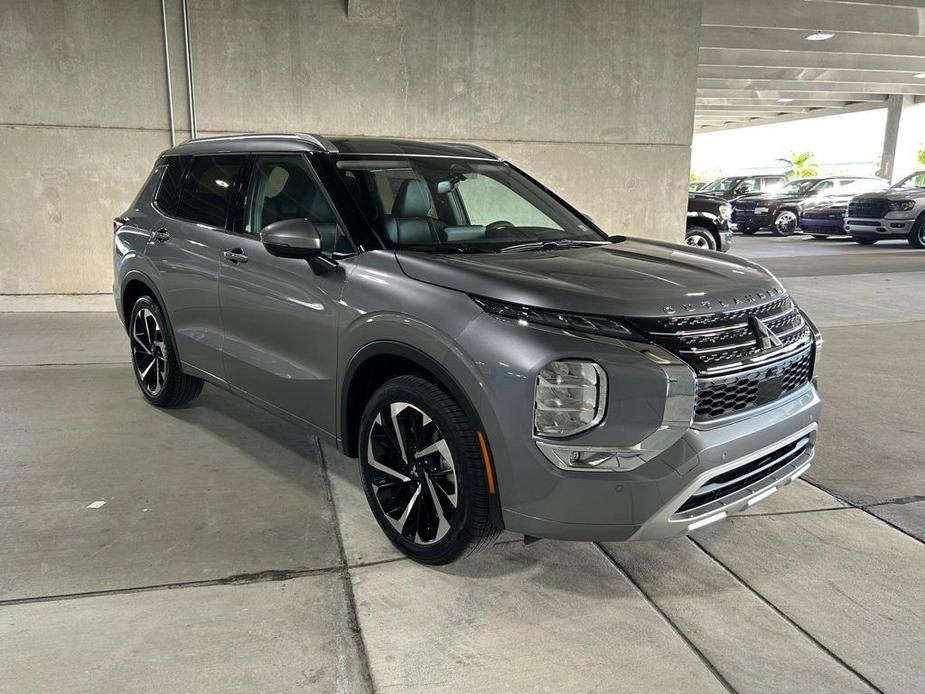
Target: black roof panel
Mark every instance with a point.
(279, 142)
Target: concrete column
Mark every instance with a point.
(897, 105)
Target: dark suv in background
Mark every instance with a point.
(729, 187)
(492, 358)
(781, 211)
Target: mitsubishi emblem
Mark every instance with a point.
(766, 338)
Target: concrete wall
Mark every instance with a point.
(593, 97)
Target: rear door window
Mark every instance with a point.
(207, 190)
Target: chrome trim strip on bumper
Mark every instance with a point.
(667, 523)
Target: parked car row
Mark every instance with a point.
(865, 208)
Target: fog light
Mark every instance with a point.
(570, 397)
(592, 458)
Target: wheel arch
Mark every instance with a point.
(136, 284)
(708, 223)
(379, 361)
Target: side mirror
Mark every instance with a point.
(291, 238)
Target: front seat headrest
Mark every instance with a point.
(412, 200)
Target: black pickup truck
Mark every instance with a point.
(781, 211)
(708, 222)
(729, 187)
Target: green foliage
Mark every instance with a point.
(800, 165)
(922, 156)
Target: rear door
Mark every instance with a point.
(185, 249)
(280, 315)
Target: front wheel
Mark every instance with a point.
(699, 237)
(785, 223)
(423, 471)
(154, 358)
(916, 236)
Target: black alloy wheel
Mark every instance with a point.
(424, 473)
(154, 358)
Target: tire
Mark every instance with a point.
(748, 231)
(154, 358)
(785, 223)
(916, 236)
(413, 502)
(865, 241)
(700, 237)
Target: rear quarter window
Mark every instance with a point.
(168, 193)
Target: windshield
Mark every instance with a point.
(462, 205)
(721, 185)
(916, 180)
(798, 187)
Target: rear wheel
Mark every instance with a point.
(154, 358)
(700, 237)
(916, 236)
(865, 241)
(423, 473)
(785, 223)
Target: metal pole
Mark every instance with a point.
(173, 130)
(189, 71)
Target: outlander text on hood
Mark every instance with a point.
(490, 356)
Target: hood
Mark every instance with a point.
(707, 197)
(778, 198)
(630, 278)
(894, 194)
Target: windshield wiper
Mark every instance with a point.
(550, 245)
(434, 248)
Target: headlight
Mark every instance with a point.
(900, 205)
(577, 322)
(725, 211)
(570, 397)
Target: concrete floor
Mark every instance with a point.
(234, 554)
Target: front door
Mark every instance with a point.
(279, 314)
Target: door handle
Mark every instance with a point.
(235, 255)
(160, 235)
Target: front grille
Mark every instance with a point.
(745, 205)
(868, 209)
(739, 478)
(725, 340)
(737, 370)
(720, 397)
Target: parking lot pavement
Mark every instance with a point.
(235, 554)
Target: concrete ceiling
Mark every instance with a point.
(756, 65)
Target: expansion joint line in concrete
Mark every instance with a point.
(783, 615)
(353, 615)
(866, 508)
(668, 620)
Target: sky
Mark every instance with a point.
(849, 143)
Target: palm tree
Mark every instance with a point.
(800, 165)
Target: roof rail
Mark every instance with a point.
(320, 142)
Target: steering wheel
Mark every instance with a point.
(498, 224)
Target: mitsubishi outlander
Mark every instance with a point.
(492, 358)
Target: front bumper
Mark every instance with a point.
(644, 504)
(885, 228)
(823, 225)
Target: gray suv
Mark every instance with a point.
(492, 358)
